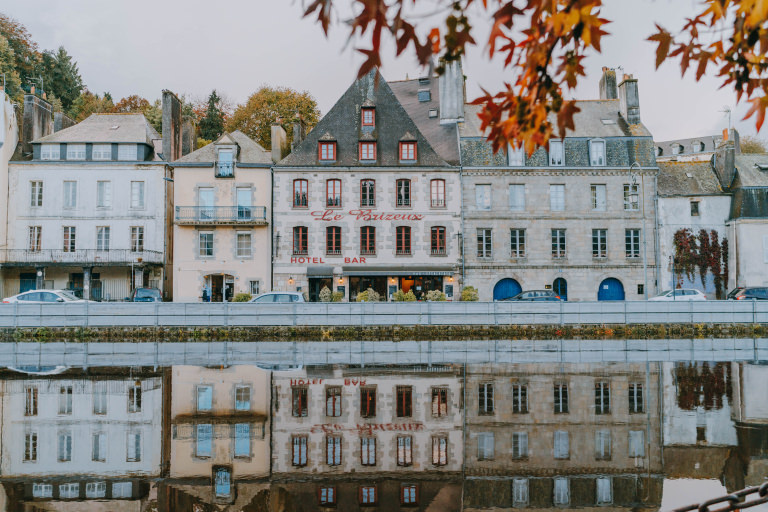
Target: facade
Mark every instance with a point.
(222, 244)
(9, 138)
(577, 217)
(371, 197)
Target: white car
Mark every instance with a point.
(279, 297)
(682, 294)
(44, 297)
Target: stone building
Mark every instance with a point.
(221, 233)
(697, 149)
(577, 217)
(371, 198)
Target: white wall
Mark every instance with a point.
(9, 137)
(749, 252)
(753, 388)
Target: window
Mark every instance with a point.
(36, 193)
(222, 482)
(101, 152)
(632, 243)
(203, 440)
(407, 151)
(483, 197)
(409, 494)
(558, 243)
(368, 451)
(519, 398)
(99, 447)
(604, 490)
(636, 443)
(95, 489)
(561, 398)
(134, 397)
(485, 398)
(300, 245)
(69, 491)
(403, 192)
(99, 397)
(520, 492)
(597, 152)
(484, 243)
(70, 238)
(204, 398)
(439, 451)
(677, 149)
(694, 208)
(556, 152)
(299, 451)
(326, 151)
(367, 193)
(104, 194)
(403, 396)
(635, 397)
(299, 401)
(562, 492)
(205, 201)
(631, 198)
(333, 240)
(516, 156)
(333, 193)
(65, 446)
(439, 402)
(30, 447)
(517, 243)
(42, 490)
(403, 240)
(602, 398)
(599, 243)
(243, 249)
(254, 287)
(35, 238)
(102, 238)
(603, 445)
(122, 489)
(437, 193)
(327, 496)
(557, 198)
(367, 151)
(368, 116)
(242, 398)
(137, 238)
(368, 402)
(485, 446)
(561, 445)
(368, 495)
(75, 151)
(205, 246)
(50, 151)
(437, 240)
(367, 240)
(65, 400)
(333, 450)
(599, 197)
(333, 401)
(300, 193)
(137, 194)
(242, 440)
(520, 445)
(127, 152)
(244, 197)
(70, 194)
(404, 451)
(30, 401)
(517, 198)
(225, 165)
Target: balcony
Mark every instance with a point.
(225, 170)
(79, 257)
(221, 215)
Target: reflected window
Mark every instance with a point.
(519, 399)
(439, 402)
(122, 489)
(299, 400)
(562, 492)
(30, 401)
(133, 447)
(485, 398)
(485, 446)
(409, 494)
(439, 451)
(602, 398)
(327, 496)
(223, 482)
(333, 450)
(30, 447)
(242, 398)
(404, 395)
(520, 445)
(134, 397)
(99, 447)
(65, 446)
(65, 400)
(242, 440)
(603, 445)
(604, 490)
(368, 451)
(95, 489)
(404, 451)
(368, 495)
(299, 450)
(204, 398)
(204, 440)
(562, 450)
(42, 491)
(636, 443)
(99, 398)
(69, 491)
(561, 398)
(636, 397)
(368, 402)
(333, 401)
(520, 492)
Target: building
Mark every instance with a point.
(577, 217)
(221, 234)
(697, 149)
(371, 197)
(9, 138)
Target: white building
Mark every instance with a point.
(9, 137)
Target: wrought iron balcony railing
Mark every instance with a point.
(225, 170)
(241, 215)
(79, 257)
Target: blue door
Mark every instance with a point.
(611, 289)
(506, 288)
(560, 286)
(27, 281)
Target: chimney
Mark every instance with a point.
(451, 85)
(629, 100)
(61, 121)
(299, 132)
(171, 126)
(608, 84)
(279, 142)
(37, 122)
(188, 137)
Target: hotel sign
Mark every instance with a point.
(363, 215)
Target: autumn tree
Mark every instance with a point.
(88, 103)
(212, 121)
(8, 70)
(25, 52)
(750, 144)
(269, 105)
(133, 103)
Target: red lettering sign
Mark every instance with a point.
(363, 215)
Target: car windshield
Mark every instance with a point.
(147, 293)
(664, 293)
(69, 295)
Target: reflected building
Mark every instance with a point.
(748, 464)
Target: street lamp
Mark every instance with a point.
(633, 199)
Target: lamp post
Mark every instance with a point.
(633, 198)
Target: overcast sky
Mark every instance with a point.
(193, 46)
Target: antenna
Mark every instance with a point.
(727, 110)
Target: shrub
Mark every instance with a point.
(325, 294)
(337, 297)
(410, 296)
(469, 294)
(435, 295)
(369, 295)
(242, 297)
(398, 296)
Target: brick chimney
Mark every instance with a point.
(451, 85)
(37, 122)
(279, 142)
(172, 129)
(299, 132)
(608, 85)
(629, 100)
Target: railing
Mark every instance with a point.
(225, 170)
(438, 203)
(78, 257)
(221, 215)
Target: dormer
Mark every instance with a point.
(225, 151)
(368, 115)
(326, 148)
(697, 146)
(677, 148)
(408, 149)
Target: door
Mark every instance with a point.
(205, 202)
(506, 288)
(611, 289)
(27, 281)
(560, 286)
(217, 288)
(243, 203)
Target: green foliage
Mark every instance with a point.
(25, 53)
(469, 294)
(435, 295)
(61, 76)
(325, 294)
(154, 114)
(8, 68)
(242, 297)
(202, 142)
(88, 103)
(369, 295)
(212, 122)
(337, 297)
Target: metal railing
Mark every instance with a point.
(221, 214)
(225, 170)
(78, 257)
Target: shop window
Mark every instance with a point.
(367, 240)
(439, 451)
(485, 398)
(404, 451)
(333, 450)
(367, 193)
(368, 451)
(439, 402)
(403, 192)
(69, 491)
(437, 193)
(368, 402)
(404, 395)
(333, 193)
(602, 398)
(299, 401)
(403, 239)
(333, 240)
(561, 398)
(300, 246)
(333, 401)
(299, 451)
(300, 193)
(438, 241)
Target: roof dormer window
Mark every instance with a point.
(698, 147)
(127, 152)
(368, 116)
(556, 156)
(50, 152)
(225, 163)
(75, 151)
(101, 152)
(597, 153)
(367, 151)
(326, 151)
(516, 156)
(677, 149)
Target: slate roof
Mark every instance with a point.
(687, 179)
(750, 188)
(710, 145)
(343, 123)
(249, 151)
(106, 128)
(749, 174)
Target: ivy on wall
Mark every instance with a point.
(701, 253)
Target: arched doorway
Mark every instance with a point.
(506, 288)
(610, 289)
(560, 287)
(218, 288)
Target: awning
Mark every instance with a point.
(397, 271)
(320, 271)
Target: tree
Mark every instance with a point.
(25, 53)
(60, 76)
(212, 122)
(269, 105)
(133, 103)
(88, 103)
(8, 69)
(750, 144)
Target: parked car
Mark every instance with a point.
(44, 297)
(279, 297)
(681, 294)
(146, 295)
(748, 293)
(536, 296)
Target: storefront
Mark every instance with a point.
(319, 277)
(387, 280)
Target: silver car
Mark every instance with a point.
(681, 294)
(282, 297)
(44, 297)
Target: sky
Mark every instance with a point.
(193, 46)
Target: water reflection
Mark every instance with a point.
(432, 438)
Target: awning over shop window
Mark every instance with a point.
(397, 271)
(320, 271)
